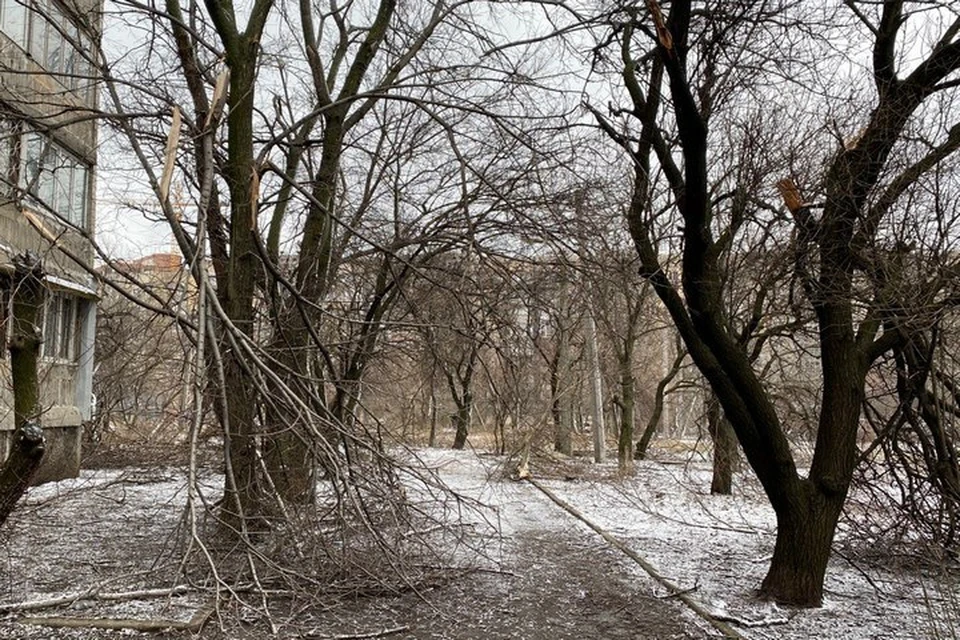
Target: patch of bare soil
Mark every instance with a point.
(553, 587)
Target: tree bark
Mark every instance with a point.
(461, 420)
(28, 448)
(463, 377)
(805, 530)
(236, 261)
(725, 451)
(625, 448)
(596, 389)
(559, 403)
(243, 498)
(659, 397)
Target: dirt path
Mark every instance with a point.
(554, 587)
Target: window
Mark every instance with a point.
(53, 176)
(53, 40)
(9, 136)
(60, 328)
(13, 20)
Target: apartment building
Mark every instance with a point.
(47, 158)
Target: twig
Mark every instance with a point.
(753, 624)
(357, 636)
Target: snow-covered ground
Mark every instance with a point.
(69, 536)
(718, 547)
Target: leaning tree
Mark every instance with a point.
(686, 65)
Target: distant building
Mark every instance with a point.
(144, 378)
(47, 161)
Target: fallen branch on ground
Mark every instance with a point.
(696, 607)
(753, 624)
(357, 636)
(93, 594)
(194, 624)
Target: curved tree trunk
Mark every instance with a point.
(28, 447)
(831, 250)
(659, 397)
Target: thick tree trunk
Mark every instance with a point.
(28, 448)
(461, 421)
(805, 530)
(289, 459)
(242, 498)
(288, 453)
(725, 451)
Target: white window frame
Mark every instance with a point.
(56, 178)
(61, 322)
(14, 19)
(44, 29)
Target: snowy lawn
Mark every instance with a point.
(115, 530)
(719, 547)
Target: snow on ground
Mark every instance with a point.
(718, 547)
(111, 530)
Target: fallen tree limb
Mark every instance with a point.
(753, 624)
(194, 624)
(681, 594)
(93, 593)
(358, 636)
(130, 624)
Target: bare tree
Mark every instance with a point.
(838, 249)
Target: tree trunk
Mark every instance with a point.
(596, 390)
(28, 448)
(432, 442)
(725, 452)
(659, 398)
(559, 407)
(653, 422)
(461, 420)
(463, 399)
(805, 529)
(627, 409)
(242, 498)
(290, 461)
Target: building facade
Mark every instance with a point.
(48, 141)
